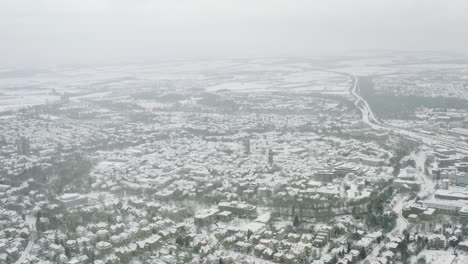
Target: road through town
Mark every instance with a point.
(31, 221)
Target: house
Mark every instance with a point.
(290, 259)
(389, 255)
(293, 238)
(258, 250)
(328, 259)
(268, 254)
(437, 241)
(206, 217)
(463, 245)
(365, 243)
(413, 218)
(103, 247)
(243, 247)
(319, 241)
(392, 246)
(224, 216)
(278, 257)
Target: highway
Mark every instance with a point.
(433, 141)
(369, 118)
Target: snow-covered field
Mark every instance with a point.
(16, 101)
(25, 87)
(18, 89)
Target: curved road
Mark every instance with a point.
(367, 115)
(369, 118)
(427, 186)
(31, 221)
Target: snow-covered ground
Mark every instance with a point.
(438, 257)
(401, 223)
(427, 185)
(98, 82)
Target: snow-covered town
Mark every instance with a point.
(233, 132)
(217, 167)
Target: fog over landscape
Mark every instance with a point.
(222, 132)
(55, 31)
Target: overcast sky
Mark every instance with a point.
(89, 31)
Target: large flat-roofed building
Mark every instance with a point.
(205, 217)
(413, 209)
(462, 166)
(345, 168)
(451, 194)
(73, 199)
(461, 179)
(416, 186)
(240, 209)
(463, 214)
(444, 206)
(445, 162)
(428, 215)
(368, 161)
(324, 175)
(331, 190)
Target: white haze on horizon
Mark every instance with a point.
(36, 32)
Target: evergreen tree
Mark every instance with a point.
(354, 212)
(270, 157)
(296, 221)
(249, 234)
(92, 256)
(68, 252)
(38, 221)
(362, 253)
(179, 241)
(422, 260)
